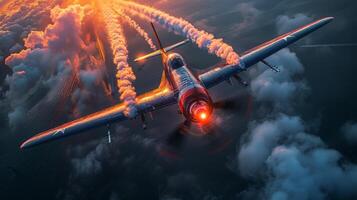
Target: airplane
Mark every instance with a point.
(179, 86)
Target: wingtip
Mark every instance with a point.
(139, 59)
(26, 144)
(23, 145)
(329, 19)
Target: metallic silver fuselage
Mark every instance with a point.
(189, 88)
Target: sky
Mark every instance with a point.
(289, 135)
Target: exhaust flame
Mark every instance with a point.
(138, 29)
(184, 28)
(125, 75)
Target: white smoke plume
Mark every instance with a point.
(138, 29)
(125, 76)
(184, 28)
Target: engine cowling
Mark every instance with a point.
(196, 105)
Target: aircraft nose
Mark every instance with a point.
(200, 111)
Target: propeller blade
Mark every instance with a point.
(177, 136)
(226, 104)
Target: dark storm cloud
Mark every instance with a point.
(349, 131)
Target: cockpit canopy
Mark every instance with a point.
(175, 61)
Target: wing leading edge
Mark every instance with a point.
(150, 101)
(257, 54)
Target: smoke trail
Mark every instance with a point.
(125, 75)
(184, 28)
(138, 29)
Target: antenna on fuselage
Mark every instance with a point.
(162, 49)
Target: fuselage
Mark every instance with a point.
(193, 98)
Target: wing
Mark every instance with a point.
(156, 99)
(257, 54)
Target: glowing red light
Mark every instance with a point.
(203, 116)
(200, 111)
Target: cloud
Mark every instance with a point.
(263, 138)
(303, 168)
(349, 131)
(279, 88)
(277, 151)
(286, 23)
(16, 48)
(249, 15)
(47, 63)
(91, 164)
(91, 161)
(18, 20)
(297, 165)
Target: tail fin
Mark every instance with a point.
(158, 39)
(162, 50)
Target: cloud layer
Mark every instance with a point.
(49, 59)
(277, 149)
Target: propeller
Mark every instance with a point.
(209, 135)
(231, 104)
(215, 138)
(177, 136)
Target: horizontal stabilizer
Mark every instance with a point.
(158, 52)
